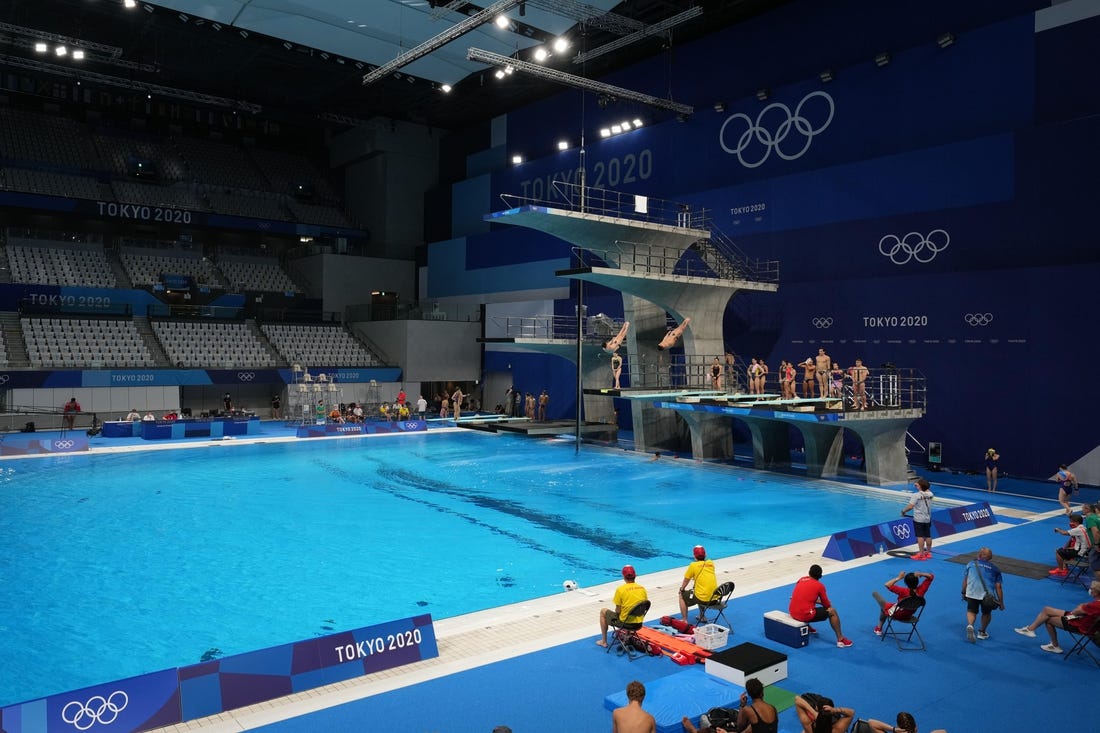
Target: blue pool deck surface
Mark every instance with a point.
(534, 666)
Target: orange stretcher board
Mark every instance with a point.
(670, 644)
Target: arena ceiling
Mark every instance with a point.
(306, 58)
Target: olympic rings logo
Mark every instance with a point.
(978, 319)
(63, 444)
(901, 531)
(98, 709)
(914, 246)
(246, 376)
(755, 131)
(821, 322)
(4, 378)
(411, 426)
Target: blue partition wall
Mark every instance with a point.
(933, 213)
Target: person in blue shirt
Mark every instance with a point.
(981, 588)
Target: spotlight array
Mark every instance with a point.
(620, 127)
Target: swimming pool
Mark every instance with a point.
(115, 565)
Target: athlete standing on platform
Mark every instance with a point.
(716, 374)
(837, 375)
(751, 374)
(1067, 486)
(616, 369)
(991, 458)
(821, 372)
(808, 369)
(859, 375)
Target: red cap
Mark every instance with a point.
(628, 572)
(700, 552)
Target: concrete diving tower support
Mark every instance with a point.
(881, 431)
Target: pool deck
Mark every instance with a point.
(474, 640)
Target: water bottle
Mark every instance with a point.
(882, 548)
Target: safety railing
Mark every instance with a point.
(718, 252)
(596, 329)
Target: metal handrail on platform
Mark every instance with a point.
(717, 250)
(597, 328)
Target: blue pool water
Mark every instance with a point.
(116, 565)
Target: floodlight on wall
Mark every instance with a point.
(826, 76)
(762, 94)
(544, 72)
(882, 59)
(563, 144)
(517, 159)
(944, 40)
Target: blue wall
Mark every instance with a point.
(937, 213)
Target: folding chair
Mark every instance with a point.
(914, 605)
(1077, 571)
(626, 633)
(1081, 641)
(718, 603)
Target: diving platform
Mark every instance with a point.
(543, 429)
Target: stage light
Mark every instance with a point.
(762, 94)
(61, 51)
(499, 73)
(616, 129)
(41, 47)
(561, 45)
(517, 159)
(541, 54)
(605, 132)
(637, 122)
(509, 69)
(945, 39)
(446, 88)
(129, 3)
(501, 21)
(563, 144)
(882, 59)
(78, 54)
(625, 125)
(826, 76)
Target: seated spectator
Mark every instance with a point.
(335, 416)
(384, 411)
(906, 724)
(133, 415)
(804, 605)
(703, 579)
(149, 417)
(818, 714)
(1079, 619)
(403, 411)
(1077, 545)
(170, 415)
(913, 586)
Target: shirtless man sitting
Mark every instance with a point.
(673, 336)
(631, 718)
(612, 345)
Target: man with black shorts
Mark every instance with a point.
(921, 505)
(804, 605)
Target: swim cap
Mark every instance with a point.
(700, 552)
(628, 572)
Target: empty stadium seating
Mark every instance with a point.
(83, 342)
(319, 345)
(227, 344)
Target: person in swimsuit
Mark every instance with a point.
(716, 374)
(837, 376)
(1067, 486)
(790, 375)
(444, 406)
(761, 715)
(761, 376)
(750, 374)
(821, 372)
(818, 714)
(991, 458)
(673, 336)
(616, 369)
(544, 400)
(612, 345)
(808, 380)
(859, 375)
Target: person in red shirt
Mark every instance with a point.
(68, 413)
(1081, 619)
(913, 586)
(804, 605)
